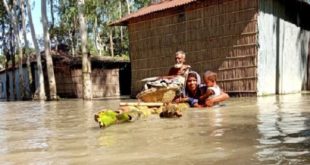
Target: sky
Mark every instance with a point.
(36, 18)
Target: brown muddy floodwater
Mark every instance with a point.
(266, 130)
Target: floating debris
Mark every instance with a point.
(173, 110)
(130, 112)
(107, 117)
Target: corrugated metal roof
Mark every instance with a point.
(167, 4)
(163, 5)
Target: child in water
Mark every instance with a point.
(201, 96)
(212, 89)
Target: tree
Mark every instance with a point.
(52, 24)
(4, 19)
(86, 64)
(41, 90)
(104, 39)
(49, 61)
(22, 8)
(68, 23)
(15, 39)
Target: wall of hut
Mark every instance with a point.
(105, 79)
(14, 94)
(283, 54)
(109, 79)
(217, 35)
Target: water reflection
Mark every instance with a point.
(284, 128)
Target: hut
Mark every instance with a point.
(257, 47)
(108, 78)
(10, 90)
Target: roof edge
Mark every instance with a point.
(155, 7)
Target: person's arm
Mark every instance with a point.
(222, 97)
(191, 101)
(197, 105)
(208, 93)
(181, 99)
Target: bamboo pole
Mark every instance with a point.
(151, 104)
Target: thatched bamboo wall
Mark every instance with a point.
(218, 35)
(105, 79)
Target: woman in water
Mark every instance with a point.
(194, 90)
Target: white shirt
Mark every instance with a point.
(216, 89)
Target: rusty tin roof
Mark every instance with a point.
(163, 5)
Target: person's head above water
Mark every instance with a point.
(192, 81)
(179, 67)
(209, 78)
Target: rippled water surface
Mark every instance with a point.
(266, 130)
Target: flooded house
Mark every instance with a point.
(10, 90)
(108, 78)
(257, 47)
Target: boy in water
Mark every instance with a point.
(212, 89)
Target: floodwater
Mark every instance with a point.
(266, 130)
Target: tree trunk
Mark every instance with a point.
(20, 57)
(111, 42)
(41, 90)
(86, 65)
(76, 35)
(53, 23)
(121, 27)
(52, 13)
(28, 92)
(49, 61)
(72, 43)
(95, 38)
(128, 6)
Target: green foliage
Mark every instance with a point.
(106, 118)
(98, 14)
(2, 61)
(4, 23)
(140, 3)
(28, 51)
